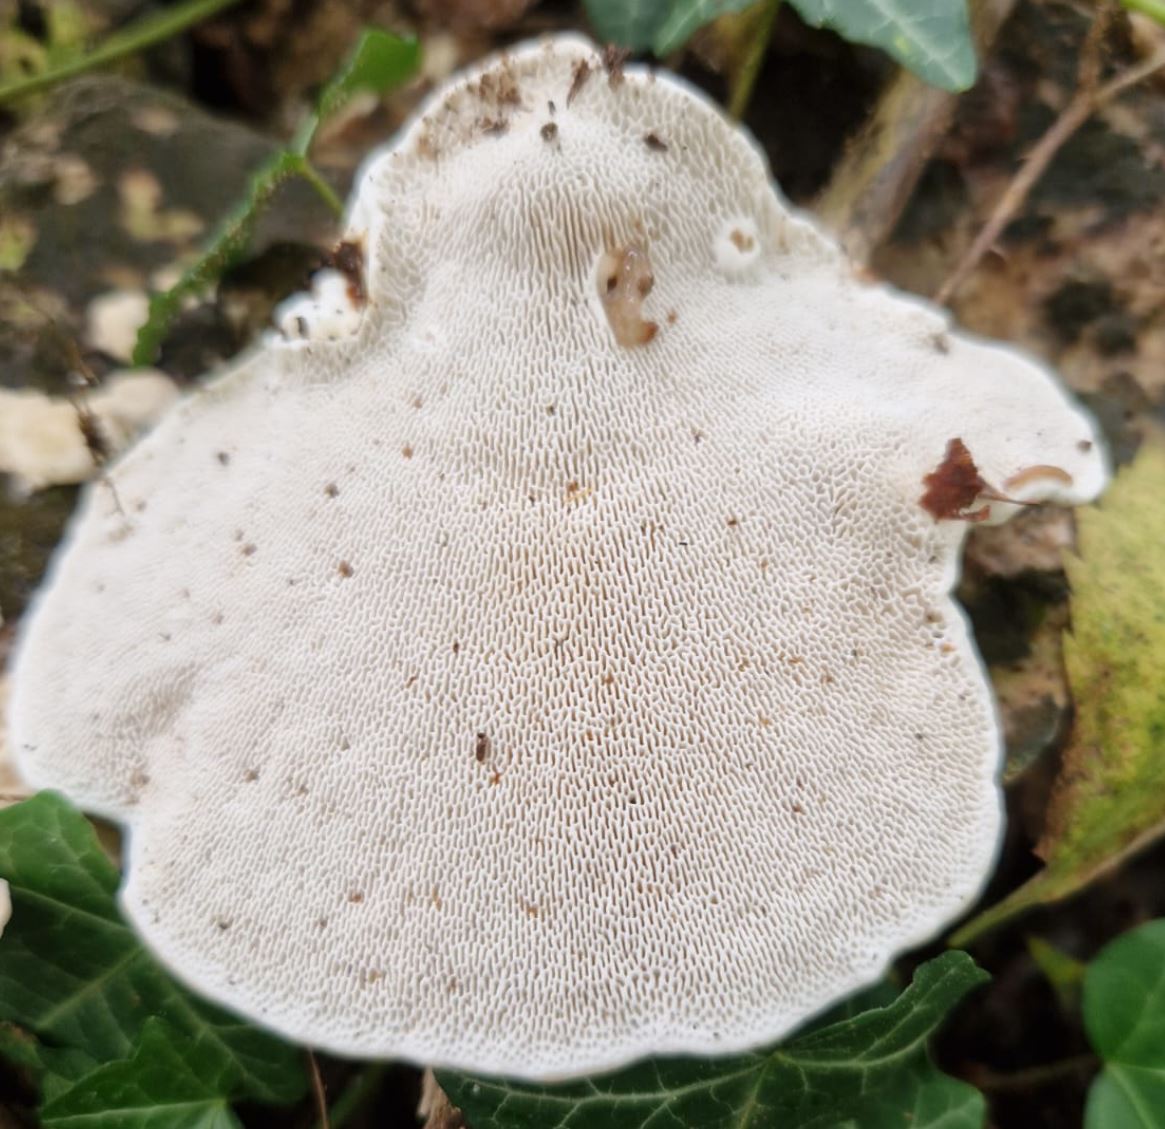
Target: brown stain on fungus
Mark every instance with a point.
(344, 569)
(549, 131)
(355, 897)
(407, 451)
(741, 241)
(331, 490)
(493, 127)
(481, 748)
(579, 74)
(348, 259)
(223, 457)
(625, 280)
(654, 142)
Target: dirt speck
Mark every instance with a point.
(331, 490)
(345, 569)
(549, 131)
(481, 748)
(654, 142)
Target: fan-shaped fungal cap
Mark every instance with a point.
(547, 658)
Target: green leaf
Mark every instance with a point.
(1154, 9)
(1110, 798)
(1124, 1015)
(627, 23)
(932, 38)
(875, 1061)
(170, 1082)
(378, 63)
(687, 17)
(74, 975)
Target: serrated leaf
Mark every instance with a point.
(1124, 1015)
(932, 38)
(74, 975)
(627, 23)
(1110, 798)
(817, 1081)
(379, 62)
(170, 1082)
(687, 17)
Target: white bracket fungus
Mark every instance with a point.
(505, 685)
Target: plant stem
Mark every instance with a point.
(309, 173)
(1034, 1076)
(129, 41)
(318, 1092)
(746, 79)
(352, 1100)
(1083, 105)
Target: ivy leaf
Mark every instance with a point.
(876, 1061)
(73, 974)
(378, 63)
(687, 17)
(1110, 798)
(170, 1082)
(1124, 1015)
(932, 38)
(629, 23)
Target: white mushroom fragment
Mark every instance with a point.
(485, 689)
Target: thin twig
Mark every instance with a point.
(357, 1094)
(881, 165)
(1034, 1076)
(317, 1089)
(746, 78)
(1090, 96)
(133, 39)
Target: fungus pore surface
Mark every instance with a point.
(540, 656)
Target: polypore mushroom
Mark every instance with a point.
(492, 683)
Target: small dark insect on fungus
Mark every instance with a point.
(481, 748)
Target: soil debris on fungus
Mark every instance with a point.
(579, 75)
(654, 142)
(614, 60)
(348, 259)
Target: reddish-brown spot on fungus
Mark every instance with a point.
(954, 485)
(348, 259)
(625, 280)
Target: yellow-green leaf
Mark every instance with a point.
(1110, 798)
